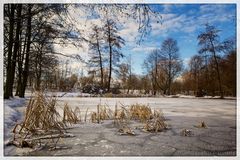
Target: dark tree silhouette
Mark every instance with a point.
(209, 42)
(115, 43)
(170, 60)
(96, 46)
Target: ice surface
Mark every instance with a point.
(182, 112)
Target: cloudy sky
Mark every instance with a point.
(181, 22)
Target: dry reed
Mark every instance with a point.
(70, 116)
(140, 112)
(153, 121)
(102, 114)
(41, 114)
(202, 125)
(41, 119)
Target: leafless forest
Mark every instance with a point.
(30, 62)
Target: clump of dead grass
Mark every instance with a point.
(41, 114)
(152, 120)
(41, 121)
(121, 114)
(70, 116)
(140, 112)
(103, 113)
(94, 117)
(156, 123)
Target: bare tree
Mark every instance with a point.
(170, 60)
(141, 13)
(156, 69)
(151, 64)
(196, 66)
(11, 15)
(22, 21)
(115, 43)
(96, 46)
(228, 66)
(123, 75)
(21, 25)
(209, 42)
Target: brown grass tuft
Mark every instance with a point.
(41, 114)
(103, 113)
(202, 125)
(153, 120)
(156, 125)
(69, 116)
(140, 112)
(41, 118)
(94, 117)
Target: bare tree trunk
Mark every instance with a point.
(20, 63)
(155, 78)
(153, 85)
(169, 86)
(110, 68)
(26, 66)
(130, 76)
(218, 72)
(38, 70)
(110, 58)
(7, 91)
(16, 46)
(169, 76)
(100, 61)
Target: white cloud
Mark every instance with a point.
(167, 8)
(129, 31)
(212, 8)
(168, 16)
(189, 24)
(172, 23)
(69, 50)
(143, 49)
(186, 61)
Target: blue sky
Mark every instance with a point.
(182, 22)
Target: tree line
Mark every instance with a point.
(105, 45)
(210, 72)
(213, 70)
(31, 30)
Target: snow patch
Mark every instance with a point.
(68, 94)
(14, 102)
(11, 114)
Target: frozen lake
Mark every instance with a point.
(187, 107)
(180, 113)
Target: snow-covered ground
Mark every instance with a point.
(68, 94)
(11, 111)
